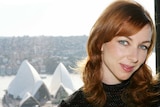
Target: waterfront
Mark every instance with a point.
(5, 81)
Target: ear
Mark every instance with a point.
(102, 47)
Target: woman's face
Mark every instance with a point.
(123, 55)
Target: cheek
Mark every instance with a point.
(142, 58)
(117, 52)
(113, 51)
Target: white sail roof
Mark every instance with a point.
(24, 81)
(68, 91)
(59, 77)
(28, 99)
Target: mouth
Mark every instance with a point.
(127, 68)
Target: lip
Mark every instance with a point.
(127, 68)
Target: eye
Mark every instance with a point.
(123, 42)
(143, 47)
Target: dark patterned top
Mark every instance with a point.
(113, 93)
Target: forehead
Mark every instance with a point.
(144, 34)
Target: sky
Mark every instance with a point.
(53, 17)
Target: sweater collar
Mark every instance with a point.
(116, 87)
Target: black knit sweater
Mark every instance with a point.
(113, 93)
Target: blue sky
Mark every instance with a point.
(53, 17)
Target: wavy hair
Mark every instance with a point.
(125, 18)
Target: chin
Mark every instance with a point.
(124, 78)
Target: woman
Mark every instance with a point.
(115, 73)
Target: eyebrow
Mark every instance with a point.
(147, 41)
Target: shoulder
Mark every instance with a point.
(77, 99)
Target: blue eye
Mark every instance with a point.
(123, 42)
(143, 47)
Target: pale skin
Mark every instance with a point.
(123, 55)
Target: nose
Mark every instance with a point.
(133, 55)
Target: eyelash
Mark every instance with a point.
(126, 43)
